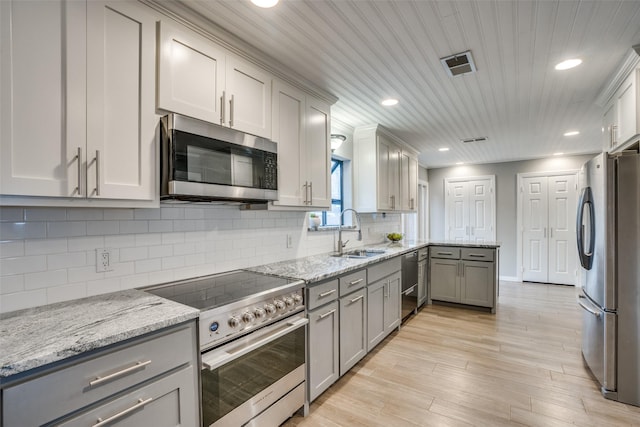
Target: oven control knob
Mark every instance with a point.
(260, 313)
(248, 317)
(297, 298)
(234, 322)
(279, 305)
(270, 309)
(289, 302)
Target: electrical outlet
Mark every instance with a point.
(289, 241)
(104, 260)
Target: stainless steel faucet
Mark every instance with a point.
(342, 244)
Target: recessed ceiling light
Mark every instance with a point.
(389, 102)
(443, 149)
(558, 154)
(569, 63)
(572, 133)
(265, 3)
(459, 163)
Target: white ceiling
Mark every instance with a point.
(363, 51)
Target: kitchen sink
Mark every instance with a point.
(362, 253)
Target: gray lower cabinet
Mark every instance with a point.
(150, 380)
(353, 329)
(383, 302)
(464, 275)
(324, 365)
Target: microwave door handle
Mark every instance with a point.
(216, 358)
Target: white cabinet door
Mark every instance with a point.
(249, 97)
(191, 74)
(388, 175)
(120, 101)
(408, 182)
(609, 128)
(562, 232)
(324, 362)
(534, 229)
(626, 108)
(42, 91)
(289, 111)
(318, 153)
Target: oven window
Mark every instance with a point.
(211, 161)
(230, 385)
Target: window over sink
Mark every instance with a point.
(331, 218)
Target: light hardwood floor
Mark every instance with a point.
(454, 367)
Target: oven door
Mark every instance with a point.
(245, 377)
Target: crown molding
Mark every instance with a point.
(628, 64)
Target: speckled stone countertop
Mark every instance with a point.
(490, 245)
(38, 336)
(319, 267)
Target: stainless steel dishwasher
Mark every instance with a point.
(409, 284)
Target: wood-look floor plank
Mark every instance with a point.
(451, 366)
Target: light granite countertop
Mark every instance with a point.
(319, 267)
(36, 337)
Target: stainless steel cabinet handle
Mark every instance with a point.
(386, 290)
(223, 102)
(545, 232)
(477, 255)
(445, 253)
(231, 112)
(356, 299)
(123, 372)
(355, 282)
(393, 202)
(413, 202)
(140, 404)
(328, 313)
(79, 157)
(590, 310)
(324, 294)
(614, 128)
(305, 192)
(97, 189)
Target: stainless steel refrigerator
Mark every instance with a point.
(608, 230)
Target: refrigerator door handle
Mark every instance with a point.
(586, 200)
(584, 306)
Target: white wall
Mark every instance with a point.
(506, 198)
(48, 254)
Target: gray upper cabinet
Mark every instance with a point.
(464, 275)
(138, 383)
(388, 180)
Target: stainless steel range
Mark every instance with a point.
(252, 340)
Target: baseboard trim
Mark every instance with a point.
(509, 278)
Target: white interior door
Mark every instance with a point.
(534, 229)
(480, 210)
(562, 233)
(458, 210)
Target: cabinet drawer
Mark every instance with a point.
(53, 395)
(353, 281)
(383, 269)
(446, 252)
(168, 402)
(478, 254)
(322, 294)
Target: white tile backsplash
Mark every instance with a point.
(48, 254)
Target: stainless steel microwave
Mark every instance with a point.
(201, 161)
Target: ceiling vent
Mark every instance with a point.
(458, 64)
(478, 139)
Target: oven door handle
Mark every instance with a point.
(216, 358)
